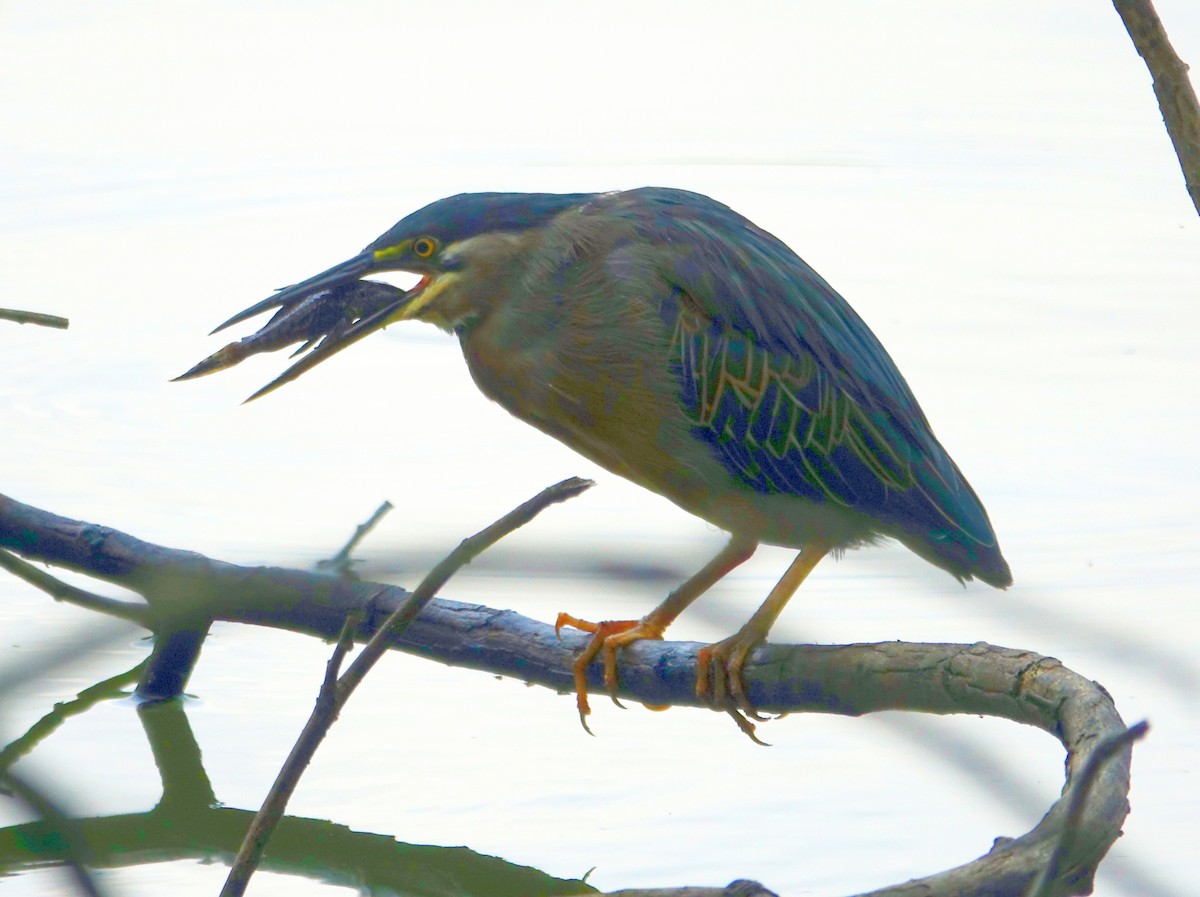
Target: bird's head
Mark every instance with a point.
(466, 249)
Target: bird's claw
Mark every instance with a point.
(719, 681)
(746, 726)
(608, 636)
(718, 673)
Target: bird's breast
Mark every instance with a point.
(603, 388)
(612, 391)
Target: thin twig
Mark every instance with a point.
(340, 562)
(267, 818)
(61, 591)
(33, 317)
(1176, 96)
(466, 551)
(335, 692)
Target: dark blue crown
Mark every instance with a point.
(470, 214)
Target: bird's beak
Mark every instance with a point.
(347, 310)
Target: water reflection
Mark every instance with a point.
(189, 822)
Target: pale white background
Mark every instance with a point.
(989, 184)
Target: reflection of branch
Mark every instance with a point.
(1176, 97)
(190, 824)
(48, 724)
(68, 833)
(316, 849)
(848, 679)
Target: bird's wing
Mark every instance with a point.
(828, 413)
(754, 284)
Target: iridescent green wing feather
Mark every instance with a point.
(781, 422)
(789, 387)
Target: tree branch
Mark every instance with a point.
(851, 680)
(34, 317)
(1176, 96)
(336, 690)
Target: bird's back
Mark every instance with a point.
(790, 391)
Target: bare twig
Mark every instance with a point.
(61, 591)
(33, 317)
(335, 691)
(466, 551)
(267, 818)
(1176, 96)
(340, 562)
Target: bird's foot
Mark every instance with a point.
(719, 680)
(608, 636)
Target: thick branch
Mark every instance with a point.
(848, 679)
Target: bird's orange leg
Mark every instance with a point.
(611, 635)
(722, 663)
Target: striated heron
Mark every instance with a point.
(670, 340)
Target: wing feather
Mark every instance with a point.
(786, 382)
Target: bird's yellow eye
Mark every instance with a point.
(423, 247)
